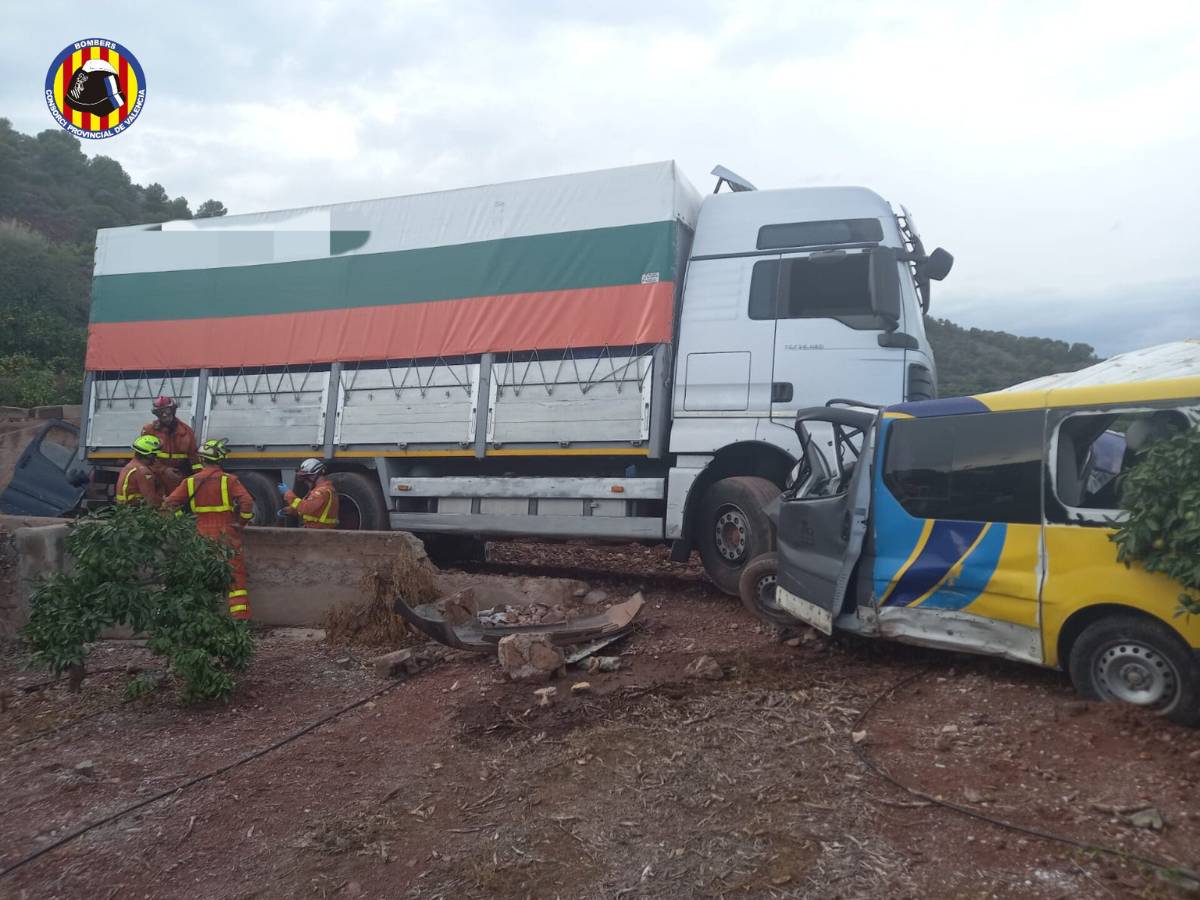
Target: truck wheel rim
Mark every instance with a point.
(730, 533)
(349, 515)
(1132, 672)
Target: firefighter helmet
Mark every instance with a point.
(95, 88)
(214, 450)
(312, 468)
(146, 445)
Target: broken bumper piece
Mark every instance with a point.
(472, 635)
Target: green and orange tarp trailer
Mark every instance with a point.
(575, 261)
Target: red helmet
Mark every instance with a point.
(163, 403)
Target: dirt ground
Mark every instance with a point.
(456, 784)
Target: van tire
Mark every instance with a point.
(1146, 652)
(756, 589)
(733, 528)
(360, 502)
(267, 501)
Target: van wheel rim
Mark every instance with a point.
(766, 592)
(1132, 672)
(730, 533)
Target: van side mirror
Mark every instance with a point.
(884, 276)
(935, 266)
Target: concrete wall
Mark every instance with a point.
(296, 575)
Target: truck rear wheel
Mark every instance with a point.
(733, 527)
(267, 501)
(360, 502)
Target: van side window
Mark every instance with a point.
(980, 468)
(1093, 450)
(821, 287)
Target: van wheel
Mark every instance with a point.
(266, 497)
(756, 587)
(360, 502)
(1128, 659)
(733, 527)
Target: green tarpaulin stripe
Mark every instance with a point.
(602, 257)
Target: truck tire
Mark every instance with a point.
(360, 502)
(267, 501)
(1136, 660)
(733, 527)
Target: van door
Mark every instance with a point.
(957, 532)
(827, 335)
(40, 485)
(821, 533)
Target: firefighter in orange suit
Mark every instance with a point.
(318, 508)
(177, 456)
(137, 483)
(223, 508)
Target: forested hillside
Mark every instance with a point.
(53, 198)
(972, 360)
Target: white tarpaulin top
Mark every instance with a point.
(1178, 359)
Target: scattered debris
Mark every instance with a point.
(603, 664)
(581, 687)
(458, 608)
(973, 796)
(1149, 818)
(408, 661)
(529, 656)
(545, 696)
(87, 767)
(595, 597)
(704, 667)
(858, 736)
(345, 662)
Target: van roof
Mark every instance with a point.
(1163, 372)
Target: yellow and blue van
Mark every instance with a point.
(983, 524)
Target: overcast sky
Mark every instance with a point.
(1054, 148)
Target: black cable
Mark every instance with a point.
(66, 839)
(1169, 868)
(46, 732)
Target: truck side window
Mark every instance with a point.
(827, 287)
(1093, 450)
(981, 468)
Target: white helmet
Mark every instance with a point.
(312, 468)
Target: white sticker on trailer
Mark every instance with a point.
(803, 610)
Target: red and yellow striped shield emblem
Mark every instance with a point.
(95, 88)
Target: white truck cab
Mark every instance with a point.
(791, 298)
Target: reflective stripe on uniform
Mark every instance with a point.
(225, 506)
(163, 454)
(241, 592)
(124, 495)
(323, 518)
(295, 503)
(196, 467)
(239, 607)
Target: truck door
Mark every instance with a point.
(821, 533)
(827, 335)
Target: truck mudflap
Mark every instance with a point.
(473, 635)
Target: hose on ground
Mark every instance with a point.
(191, 782)
(1171, 869)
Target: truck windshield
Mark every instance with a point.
(814, 287)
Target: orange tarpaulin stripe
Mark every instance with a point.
(589, 317)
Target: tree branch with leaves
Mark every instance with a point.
(134, 566)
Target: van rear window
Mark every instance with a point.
(819, 234)
(975, 468)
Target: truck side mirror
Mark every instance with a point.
(935, 266)
(884, 277)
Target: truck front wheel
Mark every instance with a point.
(733, 527)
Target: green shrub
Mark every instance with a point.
(134, 566)
(1162, 532)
